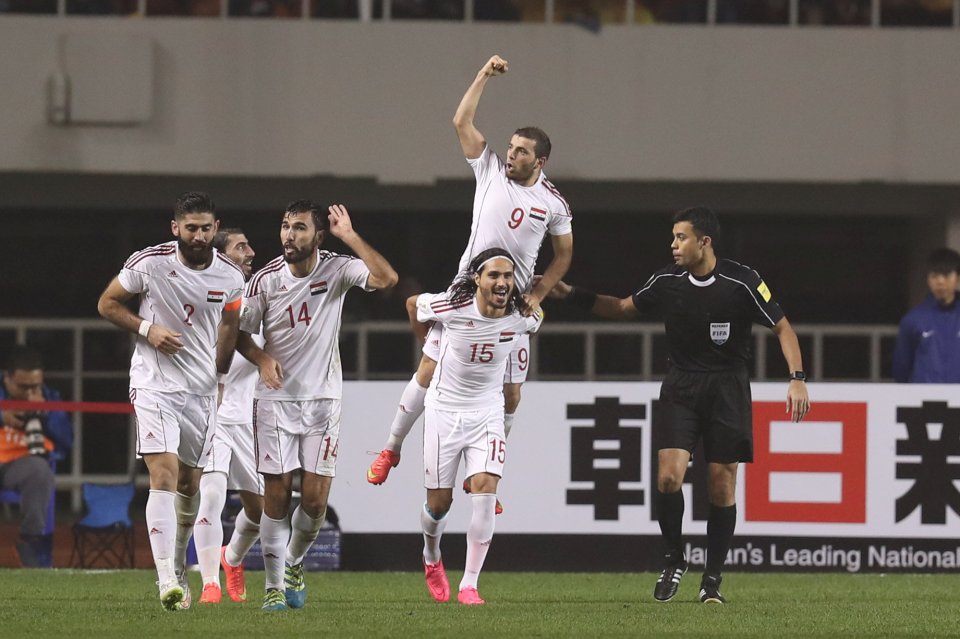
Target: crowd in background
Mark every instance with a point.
(589, 13)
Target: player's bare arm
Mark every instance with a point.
(798, 401)
(605, 306)
(227, 339)
(471, 140)
(420, 329)
(112, 306)
(382, 274)
(270, 371)
(558, 267)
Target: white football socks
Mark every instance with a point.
(245, 535)
(408, 411)
(432, 532)
(479, 536)
(304, 531)
(161, 528)
(186, 507)
(208, 529)
(274, 534)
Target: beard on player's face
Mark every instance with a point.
(196, 253)
(293, 254)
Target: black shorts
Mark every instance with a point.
(715, 406)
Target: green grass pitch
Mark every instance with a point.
(65, 603)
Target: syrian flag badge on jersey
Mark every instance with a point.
(215, 296)
(318, 287)
(506, 336)
(538, 214)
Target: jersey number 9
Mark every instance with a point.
(516, 218)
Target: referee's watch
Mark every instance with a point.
(798, 375)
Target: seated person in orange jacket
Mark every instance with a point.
(27, 442)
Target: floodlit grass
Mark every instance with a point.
(66, 603)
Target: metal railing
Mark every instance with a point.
(593, 351)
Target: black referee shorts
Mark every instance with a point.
(715, 406)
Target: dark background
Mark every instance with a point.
(828, 255)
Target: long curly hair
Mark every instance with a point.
(464, 285)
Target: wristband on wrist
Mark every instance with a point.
(144, 329)
(581, 298)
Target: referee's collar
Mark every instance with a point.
(706, 280)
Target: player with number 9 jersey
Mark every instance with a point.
(513, 216)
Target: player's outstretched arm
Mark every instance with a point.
(112, 307)
(471, 140)
(798, 402)
(382, 274)
(605, 306)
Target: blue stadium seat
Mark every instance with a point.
(104, 537)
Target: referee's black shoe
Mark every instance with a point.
(710, 589)
(669, 581)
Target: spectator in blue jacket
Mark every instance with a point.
(928, 345)
(28, 441)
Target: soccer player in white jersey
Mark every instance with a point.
(231, 464)
(515, 207)
(297, 300)
(481, 319)
(187, 322)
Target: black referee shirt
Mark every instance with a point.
(708, 319)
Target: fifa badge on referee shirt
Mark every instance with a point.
(720, 332)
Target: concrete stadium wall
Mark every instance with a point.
(301, 98)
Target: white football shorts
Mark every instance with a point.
(296, 434)
(178, 423)
(476, 435)
(232, 454)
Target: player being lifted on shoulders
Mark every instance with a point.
(515, 207)
(482, 320)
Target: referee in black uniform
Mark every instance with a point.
(708, 308)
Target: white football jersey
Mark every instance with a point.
(513, 217)
(301, 323)
(236, 405)
(186, 301)
(473, 351)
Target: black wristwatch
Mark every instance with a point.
(798, 375)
